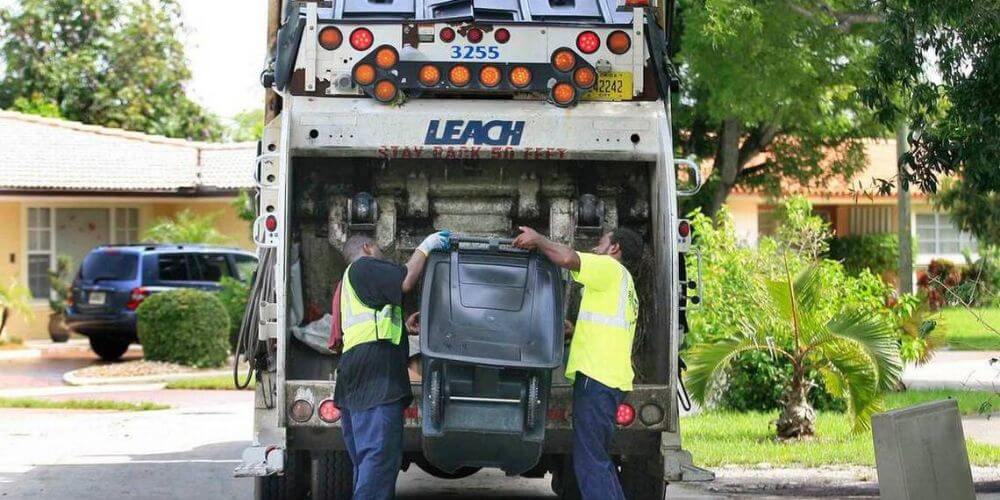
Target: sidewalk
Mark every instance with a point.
(970, 370)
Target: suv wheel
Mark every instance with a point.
(109, 349)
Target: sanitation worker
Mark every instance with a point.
(373, 386)
(600, 353)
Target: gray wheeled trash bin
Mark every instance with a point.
(491, 334)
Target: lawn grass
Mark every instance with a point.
(724, 438)
(970, 403)
(218, 383)
(79, 404)
(966, 333)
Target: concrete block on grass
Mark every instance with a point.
(920, 453)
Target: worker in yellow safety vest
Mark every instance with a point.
(600, 353)
(373, 386)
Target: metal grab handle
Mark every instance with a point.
(695, 172)
(493, 243)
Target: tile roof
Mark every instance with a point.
(45, 154)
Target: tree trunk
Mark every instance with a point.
(798, 417)
(727, 162)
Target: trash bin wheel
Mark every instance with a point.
(534, 403)
(435, 398)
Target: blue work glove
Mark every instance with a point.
(436, 241)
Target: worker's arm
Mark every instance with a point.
(415, 266)
(560, 255)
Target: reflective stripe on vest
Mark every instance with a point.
(363, 324)
(619, 320)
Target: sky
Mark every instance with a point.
(225, 44)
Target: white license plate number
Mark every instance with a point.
(97, 298)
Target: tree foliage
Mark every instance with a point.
(186, 227)
(938, 68)
(770, 92)
(248, 125)
(116, 63)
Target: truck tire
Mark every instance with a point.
(638, 484)
(564, 483)
(291, 485)
(332, 475)
(109, 349)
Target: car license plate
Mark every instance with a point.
(97, 298)
(612, 86)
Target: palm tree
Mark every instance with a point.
(186, 227)
(14, 298)
(857, 354)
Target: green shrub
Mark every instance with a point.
(185, 326)
(878, 253)
(234, 296)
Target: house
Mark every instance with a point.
(66, 187)
(855, 208)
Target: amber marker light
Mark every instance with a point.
(563, 93)
(563, 60)
(619, 42)
(364, 74)
(429, 75)
(584, 77)
(459, 76)
(386, 57)
(385, 91)
(520, 77)
(489, 76)
(330, 38)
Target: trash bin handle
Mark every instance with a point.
(494, 243)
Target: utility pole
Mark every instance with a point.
(903, 194)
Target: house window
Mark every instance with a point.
(126, 225)
(40, 242)
(938, 235)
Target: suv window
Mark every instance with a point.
(212, 266)
(246, 265)
(109, 265)
(173, 267)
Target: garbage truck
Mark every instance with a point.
(398, 118)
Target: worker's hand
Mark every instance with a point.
(568, 328)
(436, 241)
(413, 323)
(529, 239)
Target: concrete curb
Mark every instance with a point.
(72, 379)
(15, 354)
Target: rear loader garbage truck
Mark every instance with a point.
(397, 118)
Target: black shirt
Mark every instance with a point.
(374, 373)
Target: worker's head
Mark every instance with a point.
(361, 245)
(623, 244)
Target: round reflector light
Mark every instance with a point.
(364, 74)
(489, 76)
(501, 35)
(475, 35)
(301, 410)
(429, 75)
(563, 60)
(588, 42)
(584, 77)
(563, 93)
(271, 223)
(447, 35)
(386, 57)
(520, 77)
(362, 39)
(330, 38)
(385, 91)
(459, 76)
(684, 229)
(625, 415)
(328, 411)
(619, 42)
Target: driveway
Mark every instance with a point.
(972, 370)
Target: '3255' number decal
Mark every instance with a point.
(470, 52)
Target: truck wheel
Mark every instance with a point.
(564, 483)
(109, 349)
(291, 485)
(639, 485)
(332, 475)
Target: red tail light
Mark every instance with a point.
(475, 35)
(557, 414)
(411, 412)
(362, 39)
(684, 229)
(637, 3)
(271, 223)
(136, 297)
(625, 415)
(447, 35)
(588, 42)
(328, 411)
(501, 35)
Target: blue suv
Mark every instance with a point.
(114, 279)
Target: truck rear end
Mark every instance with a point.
(397, 119)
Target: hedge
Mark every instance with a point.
(185, 326)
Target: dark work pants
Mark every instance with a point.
(374, 439)
(594, 409)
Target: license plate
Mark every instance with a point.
(97, 298)
(613, 86)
